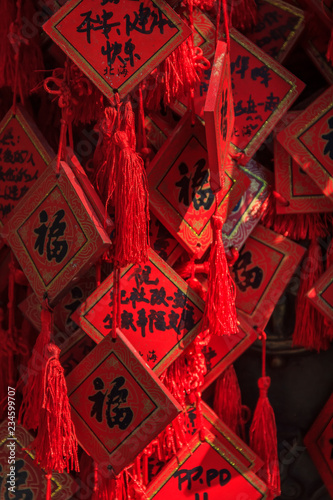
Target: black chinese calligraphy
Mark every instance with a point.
(116, 414)
(120, 45)
(328, 150)
(246, 276)
(56, 248)
(76, 301)
(195, 187)
(17, 171)
(209, 354)
(209, 477)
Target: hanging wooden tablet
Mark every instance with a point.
(279, 26)
(319, 441)
(24, 155)
(159, 314)
(117, 45)
(309, 140)
(205, 470)
(55, 233)
(119, 405)
(263, 90)
(265, 265)
(180, 191)
(219, 116)
(321, 295)
(21, 476)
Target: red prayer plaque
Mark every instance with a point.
(321, 295)
(319, 442)
(118, 404)
(264, 268)
(263, 90)
(294, 184)
(55, 233)
(224, 434)
(316, 47)
(163, 243)
(278, 28)
(117, 45)
(29, 482)
(309, 140)
(159, 314)
(206, 470)
(179, 187)
(63, 323)
(24, 155)
(221, 351)
(247, 212)
(219, 115)
(74, 350)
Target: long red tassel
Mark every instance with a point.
(220, 315)
(228, 400)
(33, 387)
(310, 323)
(55, 444)
(263, 438)
(131, 205)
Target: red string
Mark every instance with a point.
(16, 48)
(115, 302)
(226, 24)
(263, 338)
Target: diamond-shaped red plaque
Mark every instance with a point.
(206, 470)
(293, 183)
(159, 314)
(309, 140)
(221, 351)
(225, 435)
(263, 90)
(319, 442)
(265, 265)
(119, 405)
(321, 295)
(54, 233)
(30, 481)
(219, 115)
(24, 155)
(180, 191)
(117, 44)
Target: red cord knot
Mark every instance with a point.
(52, 351)
(281, 200)
(264, 384)
(121, 140)
(218, 223)
(233, 256)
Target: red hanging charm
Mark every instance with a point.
(220, 312)
(228, 400)
(55, 444)
(263, 438)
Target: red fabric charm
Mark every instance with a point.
(55, 444)
(228, 400)
(32, 391)
(263, 438)
(220, 312)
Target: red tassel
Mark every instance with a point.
(48, 486)
(32, 391)
(55, 444)
(131, 205)
(263, 438)
(220, 312)
(329, 53)
(310, 323)
(228, 400)
(243, 14)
